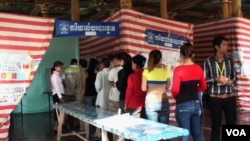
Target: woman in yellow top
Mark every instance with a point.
(156, 80)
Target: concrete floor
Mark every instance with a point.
(39, 127)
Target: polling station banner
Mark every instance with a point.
(72, 28)
(164, 39)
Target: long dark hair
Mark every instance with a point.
(93, 63)
(153, 59)
(56, 64)
(127, 60)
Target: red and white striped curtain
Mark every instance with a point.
(20, 36)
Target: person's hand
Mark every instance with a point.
(112, 84)
(61, 100)
(168, 83)
(163, 65)
(229, 82)
(222, 79)
(125, 108)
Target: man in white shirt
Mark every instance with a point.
(102, 85)
(113, 78)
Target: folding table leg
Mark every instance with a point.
(86, 126)
(104, 135)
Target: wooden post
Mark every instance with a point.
(75, 10)
(126, 4)
(225, 13)
(236, 8)
(45, 9)
(230, 12)
(164, 12)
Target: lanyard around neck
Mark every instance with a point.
(220, 69)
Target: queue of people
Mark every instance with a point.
(126, 83)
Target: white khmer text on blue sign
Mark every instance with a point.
(164, 39)
(71, 28)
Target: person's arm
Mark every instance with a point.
(85, 79)
(98, 82)
(122, 81)
(111, 78)
(144, 83)
(203, 84)
(63, 79)
(168, 83)
(207, 73)
(74, 84)
(55, 85)
(77, 82)
(176, 84)
(129, 90)
(233, 77)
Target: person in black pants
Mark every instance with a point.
(221, 78)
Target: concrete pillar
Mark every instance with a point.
(225, 6)
(236, 8)
(164, 12)
(230, 12)
(75, 10)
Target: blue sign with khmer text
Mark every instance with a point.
(71, 28)
(165, 39)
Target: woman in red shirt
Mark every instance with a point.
(187, 82)
(135, 97)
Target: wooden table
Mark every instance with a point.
(125, 126)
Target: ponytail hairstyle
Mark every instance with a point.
(139, 60)
(56, 64)
(187, 50)
(154, 58)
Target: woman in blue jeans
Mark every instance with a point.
(155, 81)
(188, 81)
